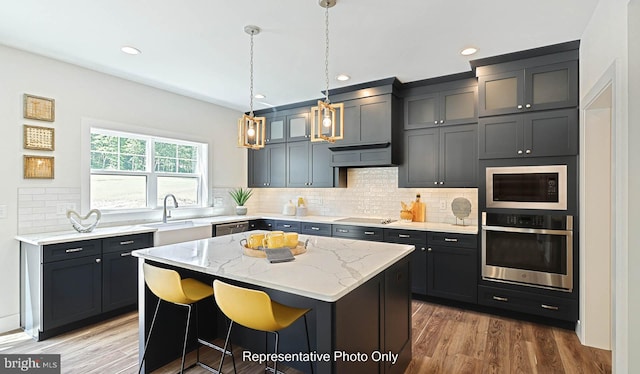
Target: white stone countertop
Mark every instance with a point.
(104, 232)
(330, 269)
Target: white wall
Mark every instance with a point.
(81, 93)
(604, 47)
(634, 184)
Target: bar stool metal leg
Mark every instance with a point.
(186, 334)
(146, 344)
(306, 329)
(226, 343)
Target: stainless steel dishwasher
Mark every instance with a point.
(231, 228)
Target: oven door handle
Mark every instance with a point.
(527, 230)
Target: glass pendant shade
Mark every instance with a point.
(251, 132)
(324, 124)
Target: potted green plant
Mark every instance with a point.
(240, 196)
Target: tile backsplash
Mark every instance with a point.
(45, 209)
(370, 192)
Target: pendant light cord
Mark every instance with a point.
(326, 52)
(251, 77)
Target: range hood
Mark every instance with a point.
(372, 125)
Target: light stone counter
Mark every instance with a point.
(330, 269)
(74, 236)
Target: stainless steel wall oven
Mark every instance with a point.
(528, 249)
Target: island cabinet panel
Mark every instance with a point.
(452, 266)
(418, 257)
(540, 134)
(532, 88)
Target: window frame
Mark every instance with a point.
(150, 174)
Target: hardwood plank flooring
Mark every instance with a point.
(445, 340)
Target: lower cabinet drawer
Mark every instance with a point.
(358, 232)
(320, 229)
(530, 303)
(127, 242)
(287, 226)
(67, 251)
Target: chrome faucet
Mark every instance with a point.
(164, 210)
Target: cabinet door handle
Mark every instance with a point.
(423, 249)
(519, 151)
(450, 239)
(435, 182)
(127, 242)
(549, 307)
(435, 122)
(125, 254)
(315, 228)
(441, 182)
(369, 233)
(498, 298)
(528, 151)
(528, 106)
(520, 106)
(72, 250)
(403, 236)
(342, 230)
(429, 249)
(441, 121)
(98, 260)
(286, 226)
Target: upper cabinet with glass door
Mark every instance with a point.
(518, 89)
(453, 103)
(288, 125)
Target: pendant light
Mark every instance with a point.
(251, 130)
(323, 117)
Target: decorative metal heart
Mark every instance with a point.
(76, 220)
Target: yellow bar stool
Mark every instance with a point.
(167, 286)
(255, 310)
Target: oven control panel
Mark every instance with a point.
(533, 221)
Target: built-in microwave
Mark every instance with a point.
(527, 187)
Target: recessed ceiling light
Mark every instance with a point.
(343, 77)
(130, 50)
(468, 51)
(259, 96)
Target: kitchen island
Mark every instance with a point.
(359, 293)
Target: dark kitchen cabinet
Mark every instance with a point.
(287, 125)
(452, 266)
(267, 166)
(308, 165)
(532, 88)
(539, 134)
(561, 308)
(367, 120)
(120, 270)
(358, 232)
(287, 226)
(418, 257)
(440, 157)
(68, 285)
(72, 290)
(451, 107)
(261, 224)
(275, 128)
(312, 228)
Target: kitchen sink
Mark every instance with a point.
(179, 231)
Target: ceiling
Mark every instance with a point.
(198, 48)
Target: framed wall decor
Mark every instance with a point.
(38, 167)
(40, 138)
(40, 108)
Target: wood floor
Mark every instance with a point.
(445, 340)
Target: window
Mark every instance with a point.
(131, 171)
